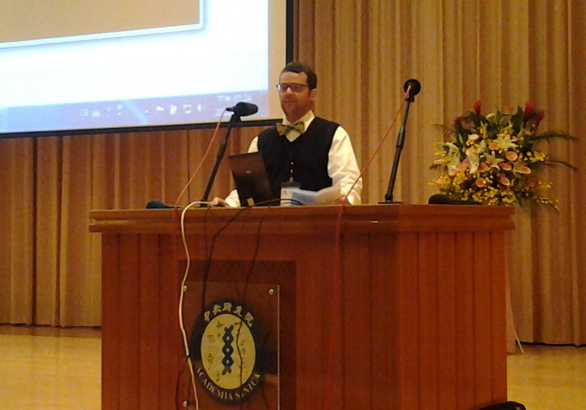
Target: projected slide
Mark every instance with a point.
(58, 19)
(131, 63)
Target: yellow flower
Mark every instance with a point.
(492, 160)
(503, 142)
(521, 168)
(538, 156)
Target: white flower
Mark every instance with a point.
(472, 155)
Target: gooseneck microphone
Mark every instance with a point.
(243, 109)
(414, 88)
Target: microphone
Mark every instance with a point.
(156, 204)
(415, 88)
(242, 109)
(439, 199)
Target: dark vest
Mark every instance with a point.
(307, 156)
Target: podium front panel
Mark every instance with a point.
(237, 292)
(370, 307)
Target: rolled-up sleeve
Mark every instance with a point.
(343, 167)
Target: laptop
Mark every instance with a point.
(250, 178)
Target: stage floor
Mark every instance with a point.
(60, 369)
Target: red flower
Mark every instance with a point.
(538, 119)
(529, 107)
(477, 106)
(458, 121)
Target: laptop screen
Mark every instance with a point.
(250, 178)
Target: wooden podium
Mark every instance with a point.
(406, 311)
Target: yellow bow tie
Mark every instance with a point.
(283, 129)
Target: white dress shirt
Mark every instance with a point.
(342, 165)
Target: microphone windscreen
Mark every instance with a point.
(415, 86)
(156, 204)
(242, 109)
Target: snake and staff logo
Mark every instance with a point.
(227, 351)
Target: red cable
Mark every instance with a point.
(380, 144)
(202, 160)
(176, 206)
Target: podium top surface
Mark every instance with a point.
(370, 219)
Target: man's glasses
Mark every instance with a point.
(296, 88)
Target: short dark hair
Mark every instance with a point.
(297, 67)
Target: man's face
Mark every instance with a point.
(295, 103)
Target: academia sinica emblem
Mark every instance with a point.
(226, 348)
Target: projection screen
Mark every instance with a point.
(74, 65)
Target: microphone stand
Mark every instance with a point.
(221, 151)
(415, 88)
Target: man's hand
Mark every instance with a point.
(343, 200)
(218, 202)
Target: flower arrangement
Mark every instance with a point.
(494, 159)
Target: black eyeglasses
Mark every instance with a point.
(296, 88)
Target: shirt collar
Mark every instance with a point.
(307, 119)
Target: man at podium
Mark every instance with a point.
(304, 151)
